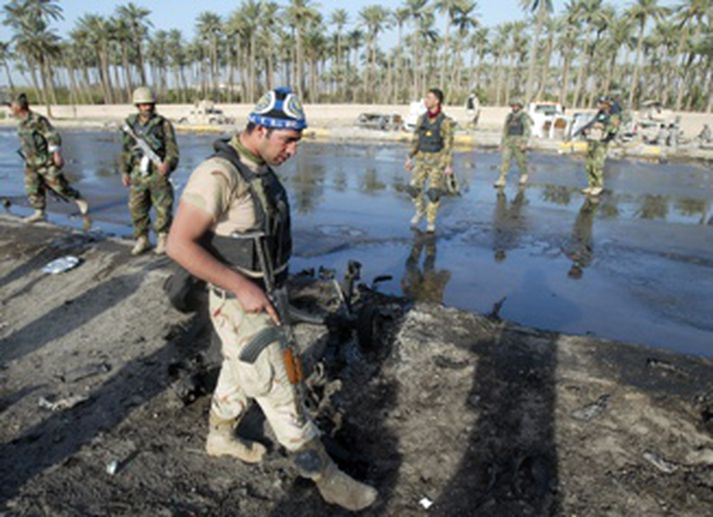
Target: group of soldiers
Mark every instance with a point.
(232, 230)
(430, 159)
(149, 155)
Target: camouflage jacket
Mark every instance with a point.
(38, 140)
(445, 155)
(159, 134)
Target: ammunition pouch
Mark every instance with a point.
(185, 292)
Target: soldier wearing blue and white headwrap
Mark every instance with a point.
(229, 198)
(279, 109)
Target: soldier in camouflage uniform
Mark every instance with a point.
(599, 132)
(149, 183)
(41, 149)
(431, 157)
(516, 132)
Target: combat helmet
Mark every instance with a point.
(143, 95)
(517, 102)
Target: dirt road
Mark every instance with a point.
(469, 413)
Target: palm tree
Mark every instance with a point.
(688, 12)
(209, 28)
(450, 8)
(339, 18)
(542, 9)
(399, 16)
(176, 54)
(640, 13)
(5, 56)
(34, 40)
(98, 32)
(417, 13)
(374, 17)
(300, 14)
(464, 20)
(137, 19)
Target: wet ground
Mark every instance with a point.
(636, 266)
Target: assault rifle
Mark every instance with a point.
(56, 195)
(143, 145)
(283, 333)
(587, 126)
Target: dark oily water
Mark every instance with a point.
(636, 266)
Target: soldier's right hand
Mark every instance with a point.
(125, 180)
(254, 300)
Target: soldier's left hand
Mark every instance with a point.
(163, 168)
(448, 171)
(57, 160)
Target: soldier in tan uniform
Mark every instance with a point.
(230, 197)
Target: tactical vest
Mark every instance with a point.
(272, 216)
(430, 139)
(152, 133)
(515, 125)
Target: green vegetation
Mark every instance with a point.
(644, 50)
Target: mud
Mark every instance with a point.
(476, 414)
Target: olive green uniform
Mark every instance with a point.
(432, 151)
(597, 144)
(38, 141)
(516, 133)
(149, 187)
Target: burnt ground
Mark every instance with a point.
(479, 416)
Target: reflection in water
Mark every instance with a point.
(508, 223)
(370, 182)
(654, 207)
(557, 194)
(580, 248)
(693, 207)
(424, 284)
(308, 186)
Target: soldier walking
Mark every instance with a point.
(516, 133)
(430, 157)
(599, 132)
(41, 148)
(232, 230)
(147, 134)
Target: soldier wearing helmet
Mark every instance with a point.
(516, 132)
(41, 148)
(232, 229)
(599, 132)
(148, 133)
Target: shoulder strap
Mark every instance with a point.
(226, 151)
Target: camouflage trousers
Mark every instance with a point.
(264, 381)
(38, 180)
(511, 149)
(154, 190)
(427, 170)
(594, 163)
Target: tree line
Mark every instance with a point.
(643, 50)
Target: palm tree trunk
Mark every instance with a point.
(637, 65)
(533, 58)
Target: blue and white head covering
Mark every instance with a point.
(279, 109)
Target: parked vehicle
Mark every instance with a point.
(382, 121)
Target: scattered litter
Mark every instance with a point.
(592, 410)
(83, 372)
(112, 467)
(62, 404)
(61, 265)
(660, 463)
(425, 503)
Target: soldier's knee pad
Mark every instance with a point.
(413, 191)
(434, 194)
